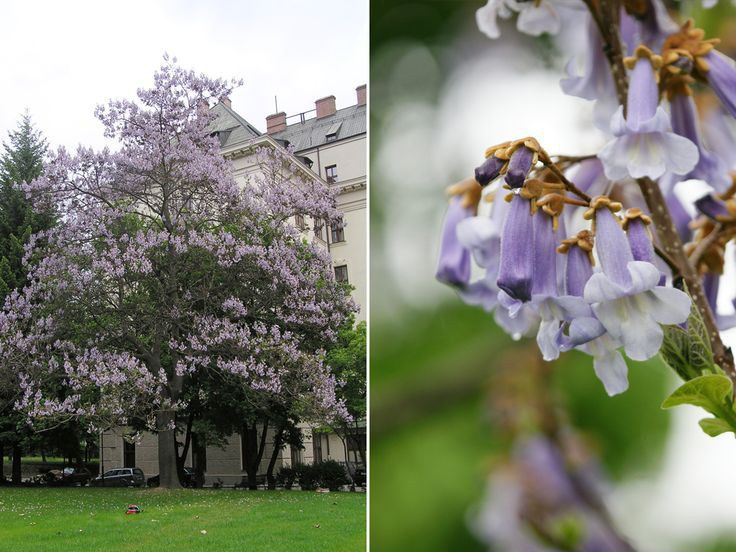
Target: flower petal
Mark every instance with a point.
(668, 305)
(547, 339)
(479, 235)
(644, 276)
(536, 20)
(600, 289)
(479, 294)
(486, 19)
(453, 266)
(581, 331)
(640, 335)
(611, 369)
(681, 155)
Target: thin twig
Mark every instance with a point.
(572, 159)
(704, 245)
(569, 186)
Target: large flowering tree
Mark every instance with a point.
(163, 268)
(558, 253)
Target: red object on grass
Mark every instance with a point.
(133, 509)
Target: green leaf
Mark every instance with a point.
(688, 352)
(709, 392)
(712, 392)
(714, 426)
(675, 352)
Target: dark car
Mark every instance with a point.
(68, 477)
(120, 477)
(189, 480)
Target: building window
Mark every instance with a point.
(296, 456)
(317, 447)
(300, 222)
(331, 134)
(341, 273)
(128, 454)
(319, 225)
(331, 173)
(356, 445)
(338, 231)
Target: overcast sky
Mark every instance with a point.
(61, 59)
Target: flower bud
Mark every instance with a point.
(489, 170)
(520, 164)
(516, 266)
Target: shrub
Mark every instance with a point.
(286, 477)
(332, 474)
(308, 476)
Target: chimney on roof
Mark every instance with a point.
(276, 122)
(226, 100)
(360, 92)
(325, 107)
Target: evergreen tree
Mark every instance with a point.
(23, 155)
(21, 162)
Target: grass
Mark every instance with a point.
(83, 519)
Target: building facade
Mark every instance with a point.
(334, 142)
(331, 146)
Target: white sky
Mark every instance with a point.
(60, 59)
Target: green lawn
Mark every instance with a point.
(84, 519)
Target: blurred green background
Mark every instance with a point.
(432, 443)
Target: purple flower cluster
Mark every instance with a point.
(605, 290)
(598, 291)
(536, 488)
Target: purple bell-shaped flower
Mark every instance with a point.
(644, 145)
(625, 295)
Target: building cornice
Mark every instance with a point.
(248, 147)
(352, 185)
(332, 144)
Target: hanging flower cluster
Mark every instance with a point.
(597, 291)
(546, 244)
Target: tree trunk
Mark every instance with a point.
(253, 451)
(350, 468)
(2, 461)
(182, 458)
(199, 455)
(16, 477)
(277, 444)
(167, 454)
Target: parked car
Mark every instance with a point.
(120, 477)
(189, 480)
(68, 477)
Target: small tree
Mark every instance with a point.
(347, 360)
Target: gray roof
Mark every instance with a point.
(230, 127)
(346, 122)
